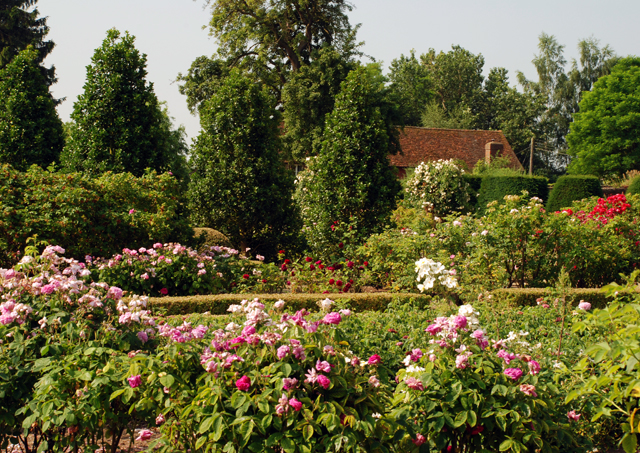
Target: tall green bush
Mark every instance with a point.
(118, 123)
(495, 187)
(351, 182)
(570, 188)
(240, 185)
(30, 130)
(88, 216)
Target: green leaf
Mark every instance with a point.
(200, 442)
(506, 445)
(307, 432)
(461, 419)
(629, 443)
(167, 380)
(206, 424)
(287, 445)
(116, 394)
(217, 428)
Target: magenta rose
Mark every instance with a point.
(513, 373)
(297, 405)
(324, 381)
(375, 359)
(243, 383)
(135, 381)
(332, 318)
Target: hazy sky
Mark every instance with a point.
(170, 32)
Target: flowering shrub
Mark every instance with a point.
(432, 273)
(608, 371)
(464, 391)
(62, 354)
(169, 269)
(438, 187)
(267, 384)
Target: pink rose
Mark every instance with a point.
(513, 373)
(144, 435)
(297, 405)
(534, 367)
(143, 337)
(414, 383)
(572, 416)
(332, 318)
(160, 419)
(586, 306)
(419, 440)
(528, 389)
(460, 322)
(373, 380)
(283, 351)
(243, 383)
(135, 381)
(375, 359)
(324, 381)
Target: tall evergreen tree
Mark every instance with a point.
(118, 121)
(239, 184)
(21, 26)
(351, 181)
(30, 130)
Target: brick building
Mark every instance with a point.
(420, 144)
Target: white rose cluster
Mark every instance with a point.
(438, 187)
(430, 272)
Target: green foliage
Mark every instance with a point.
(20, 27)
(351, 182)
(568, 189)
(609, 369)
(212, 237)
(438, 187)
(308, 96)
(495, 187)
(88, 216)
(634, 187)
(457, 117)
(30, 130)
(240, 185)
(522, 297)
(411, 87)
(604, 135)
(271, 40)
(119, 125)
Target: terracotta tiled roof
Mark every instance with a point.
(420, 144)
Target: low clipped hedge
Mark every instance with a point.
(496, 187)
(634, 186)
(570, 188)
(218, 304)
(528, 296)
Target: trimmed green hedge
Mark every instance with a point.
(634, 187)
(570, 188)
(218, 304)
(528, 296)
(496, 187)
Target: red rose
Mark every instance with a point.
(245, 276)
(339, 283)
(331, 281)
(308, 259)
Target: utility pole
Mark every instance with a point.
(531, 158)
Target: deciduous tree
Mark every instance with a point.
(605, 135)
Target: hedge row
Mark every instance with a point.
(570, 188)
(88, 216)
(528, 296)
(217, 304)
(496, 187)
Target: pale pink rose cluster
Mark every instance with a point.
(183, 333)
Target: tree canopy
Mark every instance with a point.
(605, 134)
(30, 130)
(20, 27)
(118, 122)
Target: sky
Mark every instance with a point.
(171, 34)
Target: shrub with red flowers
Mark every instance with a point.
(464, 391)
